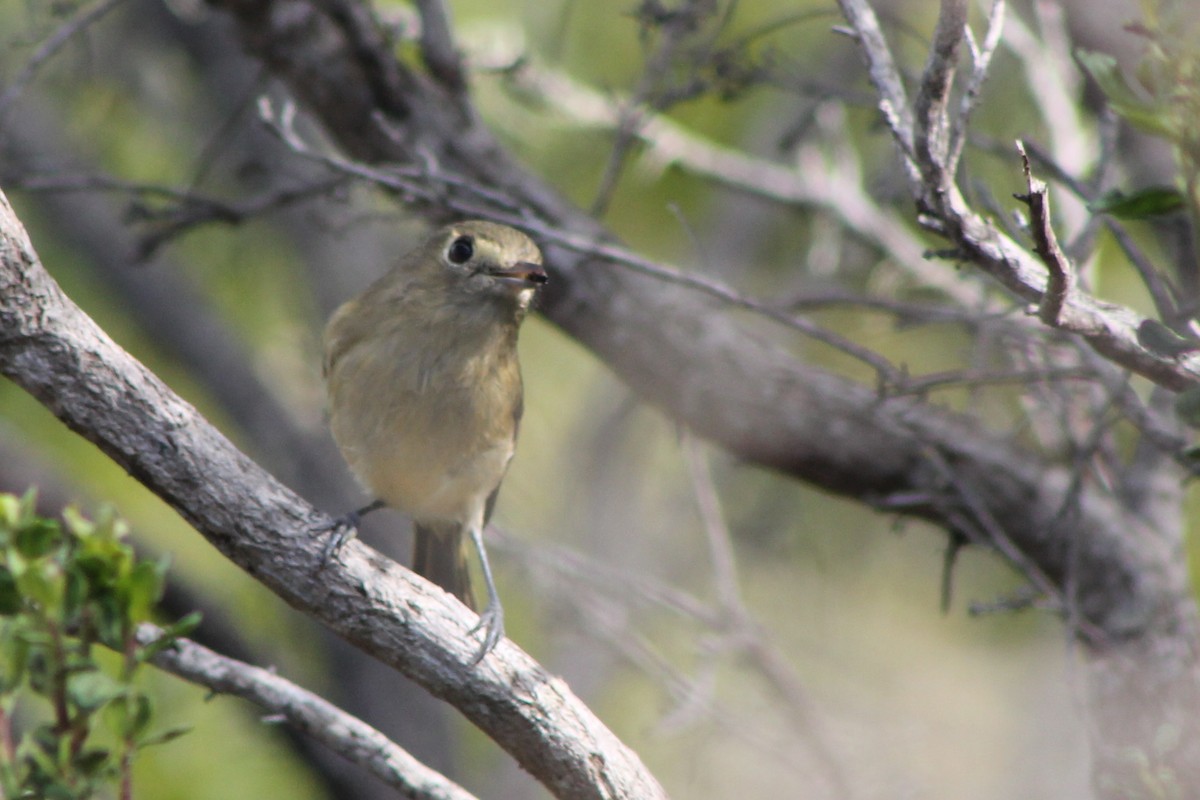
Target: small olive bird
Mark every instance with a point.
(425, 394)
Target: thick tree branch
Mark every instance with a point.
(727, 384)
(58, 354)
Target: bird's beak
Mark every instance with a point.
(523, 274)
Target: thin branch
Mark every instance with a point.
(981, 61)
(1161, 290)
(438, 48)
(931, 142)
(343, 733)
(1053, 80)
(813, 180)
(716, 533)
(893, 100)
(79, 22)
(430, 182)
(968, 378)
(1061, 277)
(1110, 329)
(746, 633)
(993, 534)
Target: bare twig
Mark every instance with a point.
(982, 521)
(716, 533)
(1061, 277)
(1161, 290)
(1054, 81)
(931, 142)
(893, 100)
(79, 21)
(187, 209)
(429, 182)
(813, 181)
(742, 628)
(981, 61)
(437, 45)
(343, 733)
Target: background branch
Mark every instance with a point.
(307, 712)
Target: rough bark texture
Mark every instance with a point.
(667, 342)
(57, 353)
(1113, 568)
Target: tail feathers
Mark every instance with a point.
(439, 555)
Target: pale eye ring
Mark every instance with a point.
(461, 250)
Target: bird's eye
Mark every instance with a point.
(461, 250)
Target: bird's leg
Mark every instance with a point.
(345, 528)
(491, 619)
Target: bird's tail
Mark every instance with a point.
(439, 555)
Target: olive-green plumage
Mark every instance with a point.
(425, 394)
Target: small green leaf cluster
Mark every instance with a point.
(71, 718)
(1161, 98)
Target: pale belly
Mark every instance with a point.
(432, 461)
(427, 486)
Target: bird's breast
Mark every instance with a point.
(428, 427)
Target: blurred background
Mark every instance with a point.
(823, 665)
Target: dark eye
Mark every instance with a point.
(461, 250)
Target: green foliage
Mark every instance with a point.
(66, 586)
(1162, 98)
(1150, 202)
(1161, 340)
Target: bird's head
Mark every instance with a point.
(480, 261)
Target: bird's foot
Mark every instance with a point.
(491, 622)
(342, 529)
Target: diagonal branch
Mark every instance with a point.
(931, 107)
(307, 712)
(54, 351)
(1110, 329)
(1060, 280)
(718, 377)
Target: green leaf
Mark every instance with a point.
(43, 583)
(110, 619)
(77, 525)
(10, 511)
(128, 716)
(144, 588)
(94, 762)
(183, 626)
(109, 526)
(169, 634)
(1162, 341)
(10, 597)
(1152, 202)
(1144, 113)
(14, 656)
(91, 690)
(162, 737)
(38, 538)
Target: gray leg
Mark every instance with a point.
(491, 620)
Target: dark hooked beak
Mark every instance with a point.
(523, 273)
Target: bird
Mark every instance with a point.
(425, 395)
